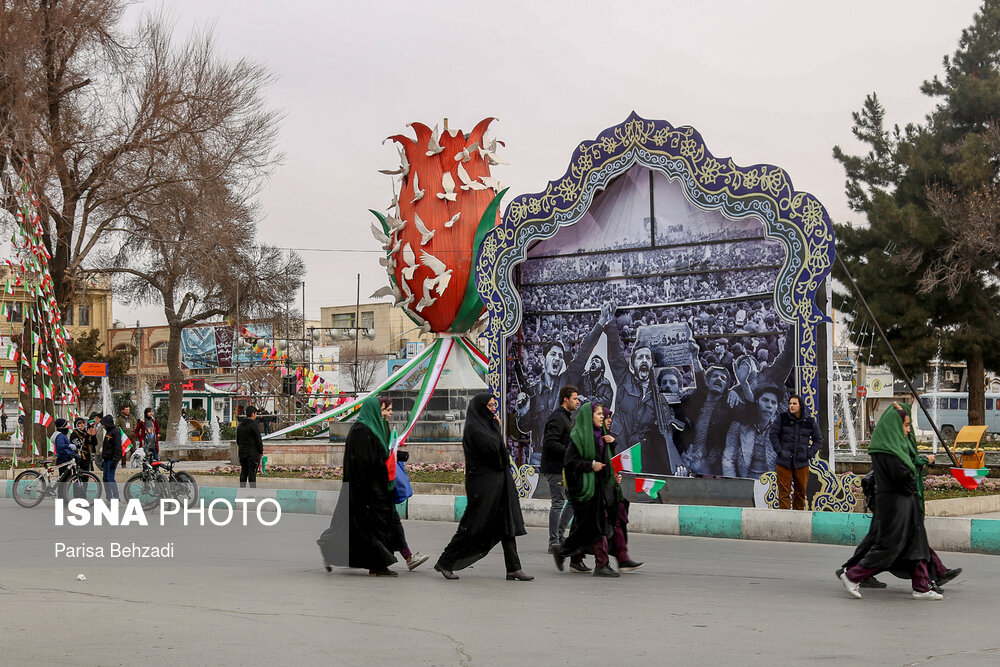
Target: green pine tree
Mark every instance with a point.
(928, 260)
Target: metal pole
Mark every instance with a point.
(302, 350)
(357, 334)
(899, 364)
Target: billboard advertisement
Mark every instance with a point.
(665, 313)
(217, 346)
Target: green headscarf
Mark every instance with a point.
(371, 416)
(582, 436)
(888, 438)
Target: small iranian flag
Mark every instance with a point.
(651, 487)
(8, 377)
(970, 478)
(126, 442)
(631, 461)
(8, 288)
(43, 418)
(628, 461)
(36, 391)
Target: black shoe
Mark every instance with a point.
(519, 575)
(560, 561)
(605, 571)
(838, 572)
(554, 548)
(382, 573)
(629, 565)
(447, 574)
(936, 588)
(579, 567)
(329, 568)
(948, 576)
(872, 582)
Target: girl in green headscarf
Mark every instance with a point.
(899, 540)
(365, 529)
(593, 490)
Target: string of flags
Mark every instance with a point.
(45, 359)
(319, 392)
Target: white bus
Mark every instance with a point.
(952, 414)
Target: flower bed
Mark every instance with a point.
(439, 473)
(939, 487)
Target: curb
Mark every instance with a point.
(842, 528)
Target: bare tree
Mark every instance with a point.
(188, 243)
(98, 116)
(361, 368)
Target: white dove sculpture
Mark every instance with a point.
(441, 272)
(418, 194)
(425, 234)
(467, 182)
(433, 146)
(404, 164)
(410, 261)
(465, 154)
(448, 183)
(450, 223)
(379, 235)
(388, 290)
(427, 300)
(409, 295)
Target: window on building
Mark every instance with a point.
(368, 323)
(159, 354)
(84, 315)
(67, 316)
(343, 320)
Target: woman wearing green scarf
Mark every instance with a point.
(593, 490)
(365, 529)
(899, 540)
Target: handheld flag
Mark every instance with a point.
(630, 461)
(126, 442)
(970, 478)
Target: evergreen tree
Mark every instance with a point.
(929, 259)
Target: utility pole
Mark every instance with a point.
(357, 335)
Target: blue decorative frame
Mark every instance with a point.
(797, 219)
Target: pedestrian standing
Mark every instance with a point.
(557, 429)
(365, 529)
(147, 433)
(249, 447)
(493, 513)
(84, 436)
(126, 422)
(3, 419)
(111, 454)
(796, 438)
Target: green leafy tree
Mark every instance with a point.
(927, 261)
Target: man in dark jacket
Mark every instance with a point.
(796, 437)
(249, 447)
(557, 429)
(111, 454)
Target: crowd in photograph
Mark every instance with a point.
(744, 254)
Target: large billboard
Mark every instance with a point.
(665, 313)
(219, 347)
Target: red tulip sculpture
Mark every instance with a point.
(447, 203)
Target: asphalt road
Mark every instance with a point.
(235, 596)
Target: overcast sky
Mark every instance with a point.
(771, 81)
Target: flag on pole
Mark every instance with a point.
(970, 478)
(8, 377)
(43, 418)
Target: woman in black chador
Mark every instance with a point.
(365, 529)
(493, 513)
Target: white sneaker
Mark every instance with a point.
(927, 595)
(416, 560)
(852, 588)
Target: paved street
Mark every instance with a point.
(235, 596)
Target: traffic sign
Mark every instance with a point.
(862, 391)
